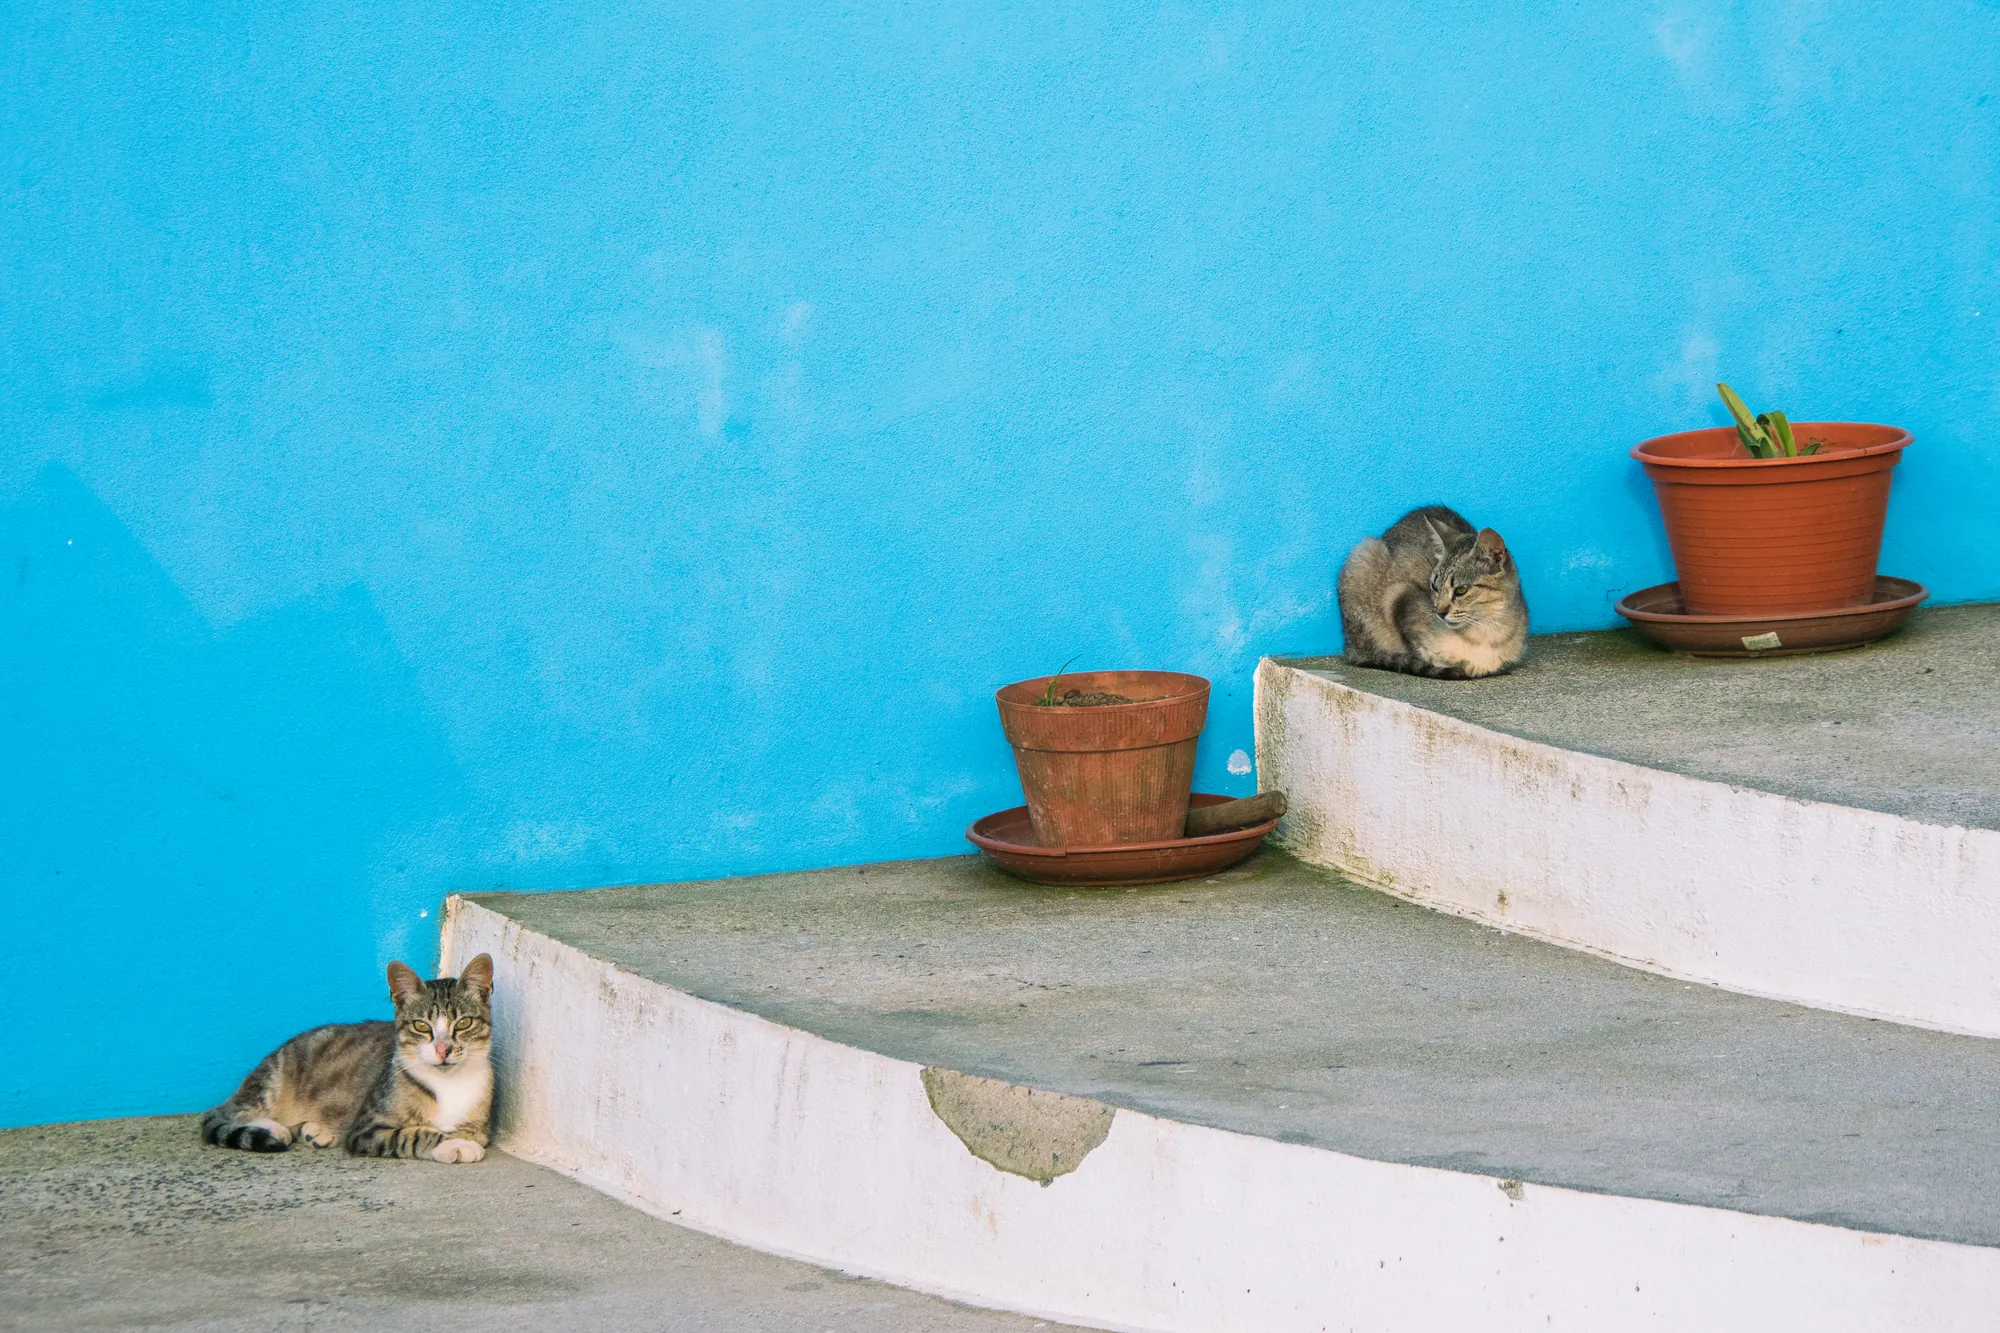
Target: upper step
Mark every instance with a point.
(1815, 829)
(1909, 726)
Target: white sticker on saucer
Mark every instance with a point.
(1758, 643)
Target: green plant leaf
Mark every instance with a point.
(1737, 409)
(1747, 428)
(1048, 699)
(1769, 422)
(1781, 432)
(1812, 448)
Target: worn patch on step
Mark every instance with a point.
(1022, 1131)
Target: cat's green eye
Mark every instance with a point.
(421, 1029)
(462, 1026)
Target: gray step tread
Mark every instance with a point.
(1281, 1001)
(135, 1224)
(1909, 725)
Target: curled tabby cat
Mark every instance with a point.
(420, 1086)
(1433, 597)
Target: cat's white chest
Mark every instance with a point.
(459, 1092)
(1482, 659)
(1478, 656)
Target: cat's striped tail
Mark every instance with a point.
(243, 1121)
(225, 1127)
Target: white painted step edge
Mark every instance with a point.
(796, 1145)
(1824, 905)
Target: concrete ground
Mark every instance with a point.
(1909, 725)
(1279, 1000)
(117, 1224)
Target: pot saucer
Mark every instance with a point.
(1008, 839)
(1660, 615)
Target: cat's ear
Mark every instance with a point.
(1492, 549)
(478, 975)
(403, 984)
(1438, 545)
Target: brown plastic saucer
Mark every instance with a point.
(1009, 839)
(1660, 615)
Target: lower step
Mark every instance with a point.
(1071, 1209)
(137, 1224)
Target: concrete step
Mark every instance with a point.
(116, 1224)
(1270, 1101)
(1824, 830)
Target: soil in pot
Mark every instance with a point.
(1095, 699)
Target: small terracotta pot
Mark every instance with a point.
(1753, 536)
(1116, 773)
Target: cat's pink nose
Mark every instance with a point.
(441, 1049)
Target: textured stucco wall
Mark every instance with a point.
(536, 445)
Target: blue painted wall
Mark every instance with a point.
(554, 444)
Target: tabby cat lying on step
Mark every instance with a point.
(420, 1086)
(1432, 597)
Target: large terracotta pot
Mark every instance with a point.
(1756, 535)
(1112, 774)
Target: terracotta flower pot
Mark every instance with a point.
(1772, 535)
(1110, 774)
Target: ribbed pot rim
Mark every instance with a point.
(1193, 686)
(1903, 439)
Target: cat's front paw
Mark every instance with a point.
(458, 1150)
(318, 1135)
